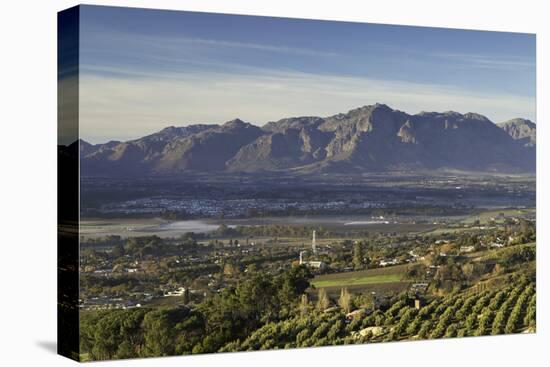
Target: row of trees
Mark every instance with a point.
(272, 230)
(506, 310)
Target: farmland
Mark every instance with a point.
(422, 265)
(510, 309)
(357, 278)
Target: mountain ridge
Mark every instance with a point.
(371, 138)
(520, 129)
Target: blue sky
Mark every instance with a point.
(142, 70)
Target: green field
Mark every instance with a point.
(390, 274)
(359, 280)
(378, 288)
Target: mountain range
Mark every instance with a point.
(374, 138)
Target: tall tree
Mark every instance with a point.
(304, 305)
(186, 295)
(323, 301)
(293, 283)
(345, 300)
(358, 256)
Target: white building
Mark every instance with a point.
(388, 262)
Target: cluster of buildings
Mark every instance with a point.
(111, 303)
(230, 208)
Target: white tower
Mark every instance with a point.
(313, 245)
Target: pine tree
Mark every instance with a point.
(186, 296)
(358, 255)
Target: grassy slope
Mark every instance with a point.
(390, 274)
(360, 280)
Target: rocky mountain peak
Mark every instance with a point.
(522, 130)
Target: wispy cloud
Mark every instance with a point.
(486, 61)
(172, 48)
(252, 46)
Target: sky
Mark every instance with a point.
(142, 70)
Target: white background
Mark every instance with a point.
(28, 181)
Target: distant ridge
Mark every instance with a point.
(374, 138)
(521, 129)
